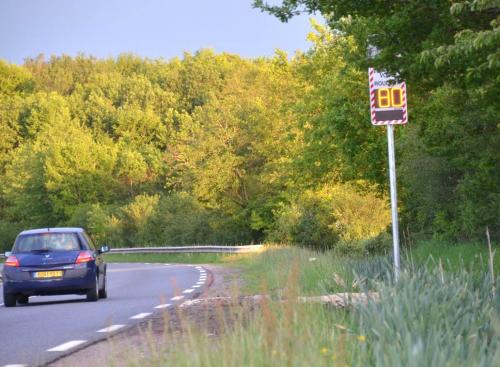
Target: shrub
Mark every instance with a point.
(335, 215)
(8, 233)
(136, 217)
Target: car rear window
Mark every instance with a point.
(47, 242)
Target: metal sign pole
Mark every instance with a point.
(388, 106)
(394, 198)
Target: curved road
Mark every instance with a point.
(49, 327)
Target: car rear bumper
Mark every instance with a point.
(74, 281)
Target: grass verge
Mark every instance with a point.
(428, 318)
(455, 257)
(318, 272)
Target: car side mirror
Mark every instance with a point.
(104, 249)
(8, 253)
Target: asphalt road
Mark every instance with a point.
(49, 327)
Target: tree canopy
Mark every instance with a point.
(216, 148)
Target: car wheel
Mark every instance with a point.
(103, 293)
(93, 293)
(22, 300)
(9, 300)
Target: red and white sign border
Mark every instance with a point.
(371, 73)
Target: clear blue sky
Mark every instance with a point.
(149, 28)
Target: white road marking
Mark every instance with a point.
(15, 365)
(140, 316)
(197, 286)
(64, 347)
(200, 283)
(176, 298)
(188, 291)
(202, 278)
(1, 304)
(110, 329)
(164, 305)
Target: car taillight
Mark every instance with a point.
(84, 257)
(12, 261)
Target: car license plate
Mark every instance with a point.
(48, 274)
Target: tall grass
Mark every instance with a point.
(319, 272)
(454, 257)
(427, 318)
(432, 318)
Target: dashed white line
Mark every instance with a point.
(64, 347)
(197, 286)
(200, 283)
(164, 305)
(140, 316)
(110, 329)
(15, 365)
(188, 291)
(176, 298)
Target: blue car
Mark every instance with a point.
(53, 261)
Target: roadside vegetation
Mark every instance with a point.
(472, 257)
(219, 149)
(429, 317)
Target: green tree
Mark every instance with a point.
(448, 54)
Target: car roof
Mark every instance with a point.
(53, 230)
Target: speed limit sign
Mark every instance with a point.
(388, 107)
(387, 99)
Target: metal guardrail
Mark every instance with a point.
(185, 249)
(189, 249)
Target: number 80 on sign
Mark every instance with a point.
(387, 99)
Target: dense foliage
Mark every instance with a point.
(220, 149)
(199, 150)
(448, 52)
